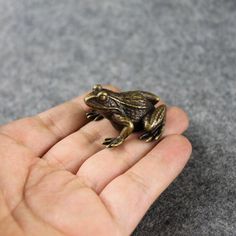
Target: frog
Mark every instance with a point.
(128, 112)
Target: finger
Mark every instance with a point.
(130, 195)
(74, 150)
(45, 129)
(105, 165)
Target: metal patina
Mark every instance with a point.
(128, 112)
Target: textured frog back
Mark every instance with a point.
(133, 104)
(132, 99)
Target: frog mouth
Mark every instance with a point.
(91, 102)
(88, 98)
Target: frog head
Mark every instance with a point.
(101, 99)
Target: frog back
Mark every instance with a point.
(134, 105)
(133, 99)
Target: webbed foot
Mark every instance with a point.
(147, 137)
(113, 142)
(154, 124)
(94, 115)
(155, 134)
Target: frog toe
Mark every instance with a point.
(111, 145)
(94, 115)
(107, 141)
(144, 136)
(158, 133)
(158, 138)
(113, 142)
(147, 137)
(90, 116)
(98, 117)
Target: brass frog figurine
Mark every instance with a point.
(128, 112)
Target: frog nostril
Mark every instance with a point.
(89, 98)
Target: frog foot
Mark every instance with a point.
(147, 137)
(155, 134)
(94, 115)
(113, 142)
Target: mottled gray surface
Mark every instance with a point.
(183, 50)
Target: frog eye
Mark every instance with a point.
(103, 96)
(97, 87)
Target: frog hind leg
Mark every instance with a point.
(154, 99)
(154, 124)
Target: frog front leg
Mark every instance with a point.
(127, 129)
(94, 115)
(154, 124)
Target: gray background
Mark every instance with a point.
(184, 50)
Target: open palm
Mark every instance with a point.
(57, 179)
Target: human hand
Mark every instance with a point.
(57, 179)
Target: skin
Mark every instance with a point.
(51, 183)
